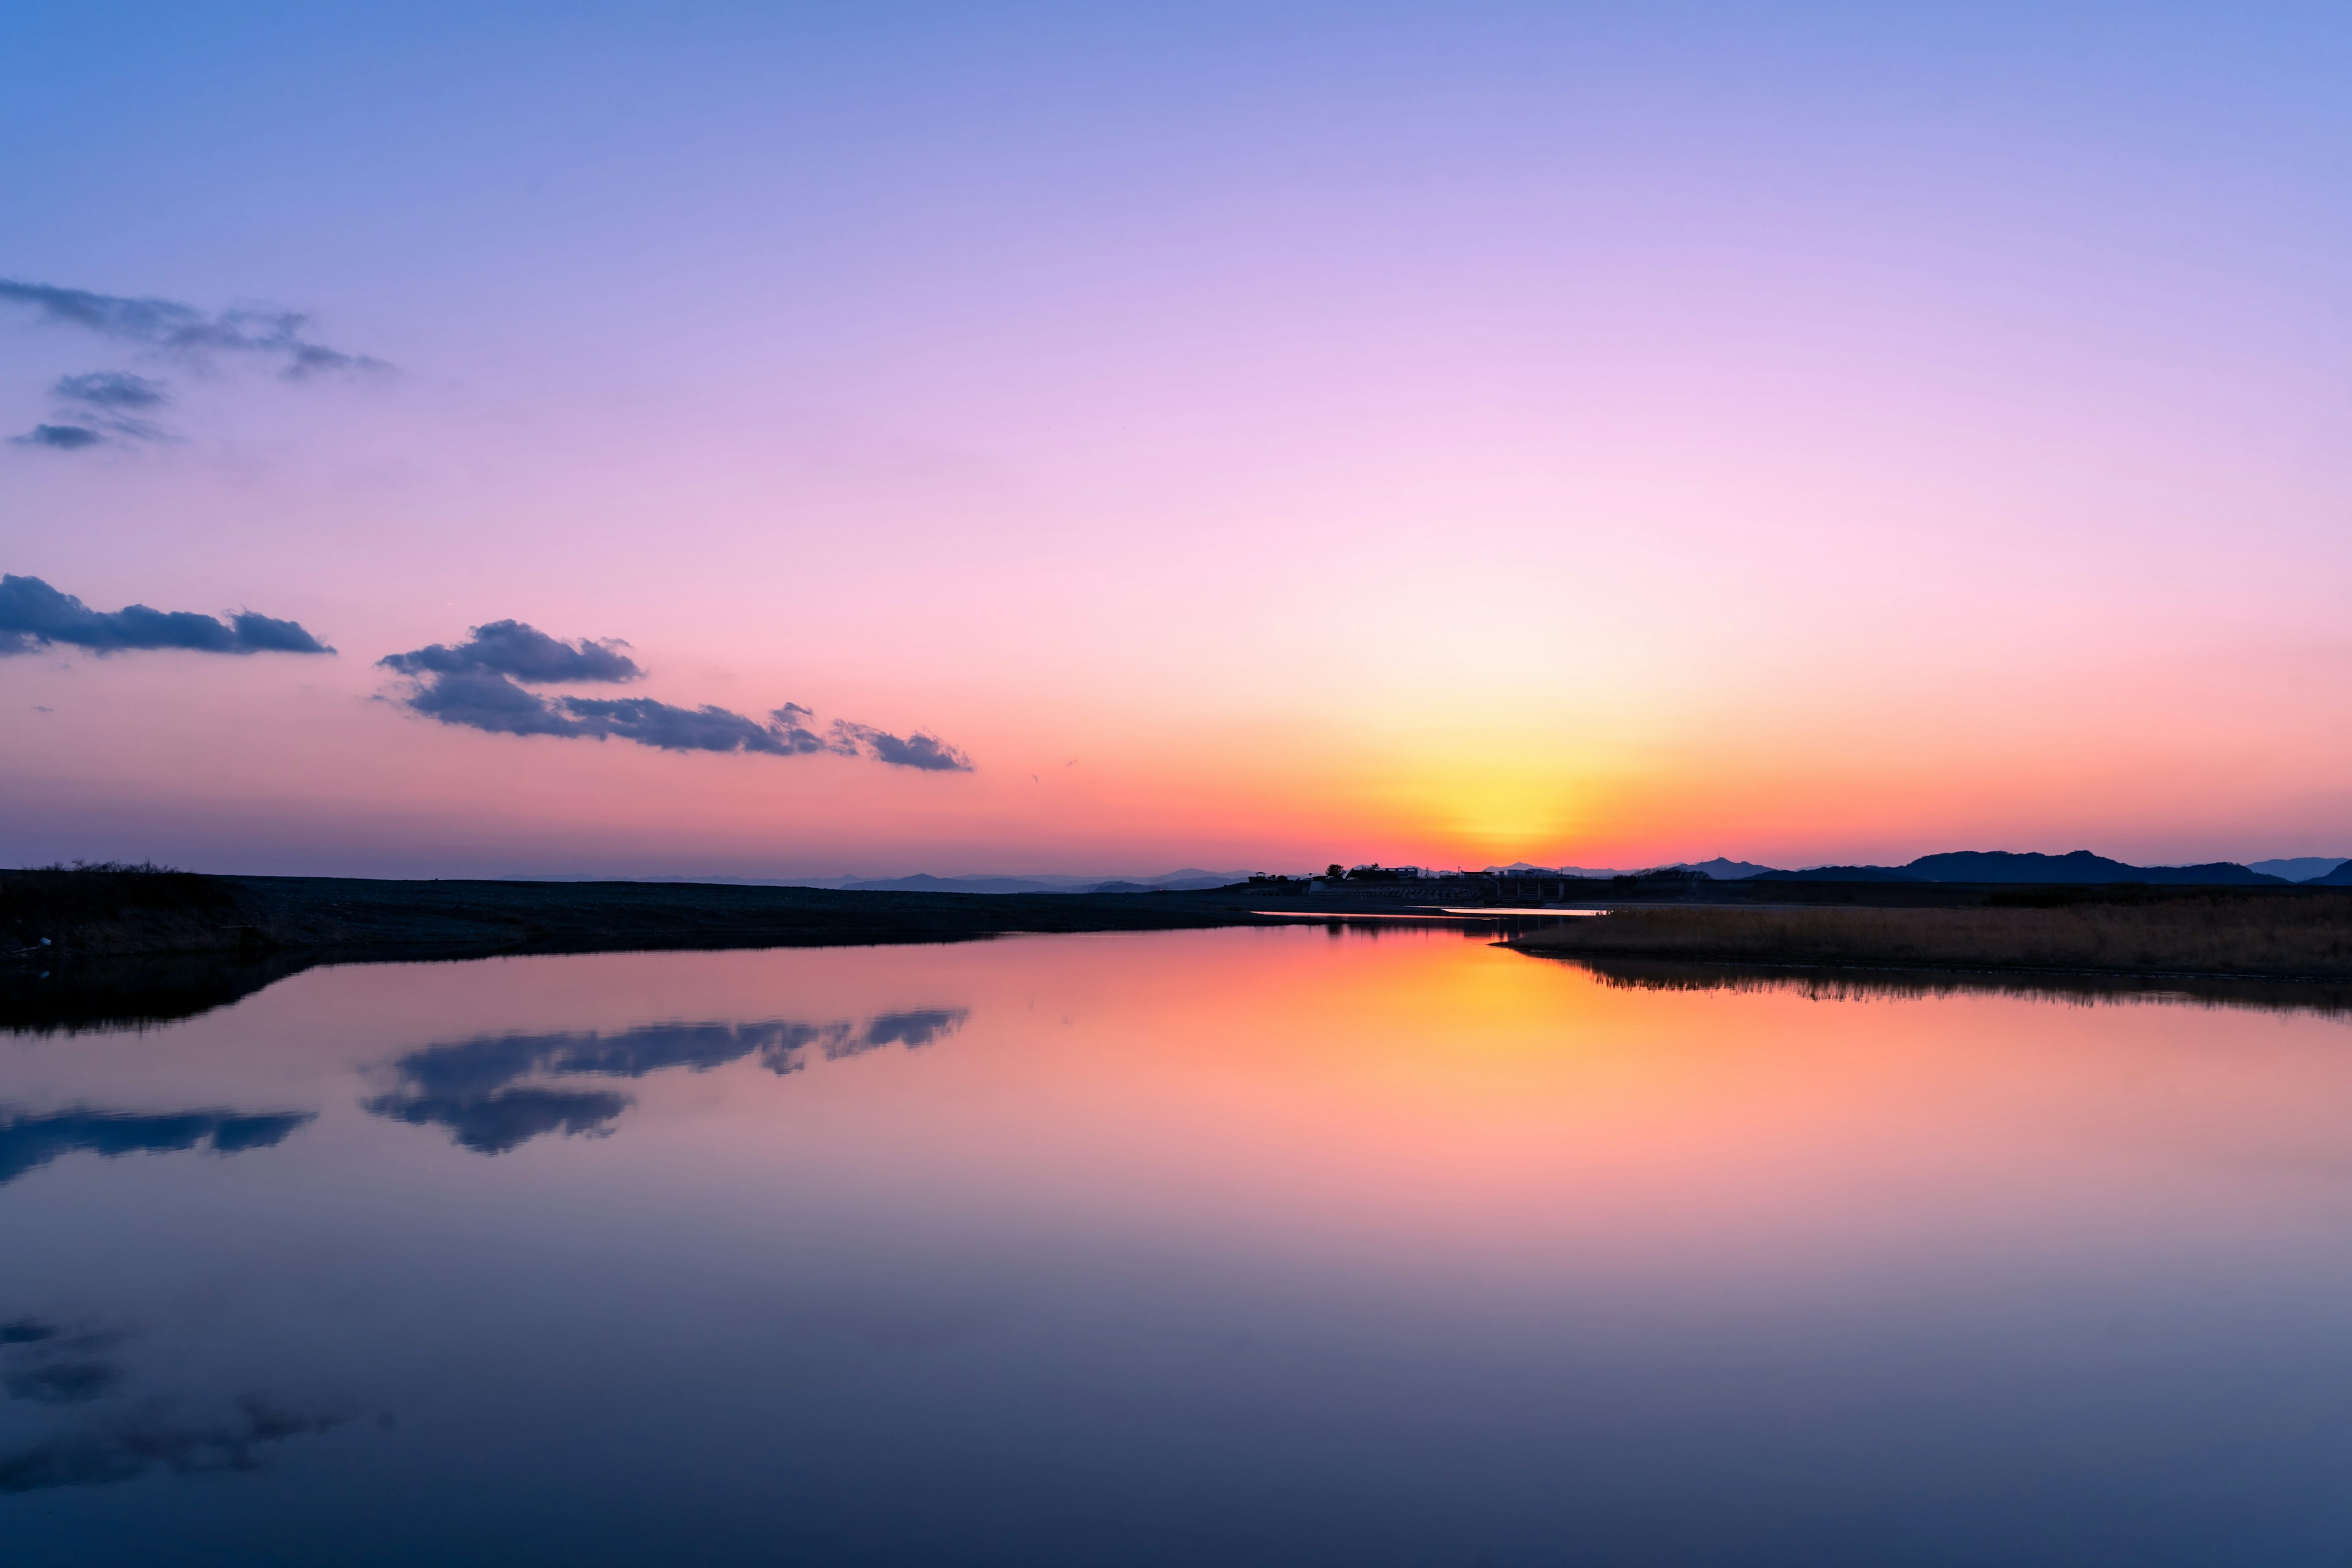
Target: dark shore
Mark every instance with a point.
(91, 914)
(108, 948)
(112, 948)
(2158, 934)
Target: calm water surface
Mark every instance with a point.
(1242, 1246)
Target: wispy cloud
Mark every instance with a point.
(479, 684)
(186, 332)
(104, 405)
(33, 616)
(111, 389)
(927, 753)
(60, 437)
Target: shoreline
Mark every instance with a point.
(48, 917)
(2189, 937)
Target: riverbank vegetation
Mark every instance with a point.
(58, 913)
(2292, 937)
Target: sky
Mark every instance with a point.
(1103, 439)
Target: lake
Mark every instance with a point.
(1262, 1246)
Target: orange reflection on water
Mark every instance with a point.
(1417, 1101)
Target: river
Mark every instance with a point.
(1260, 1245)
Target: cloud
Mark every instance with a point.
(510, 647)
(60, 437)
(479, 684)
(183, 332)
(488, 703)
(916, 750)
(103, 402)
(113, 389)
(28, 1143)
(107, 402)
(33, 616)
(675, 729)
(479, 700)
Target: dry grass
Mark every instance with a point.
(2301, 937)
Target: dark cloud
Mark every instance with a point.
(32, 614)
(111, 389)
(60, 437)
(916, 750)
(475, 1088)
(479, 684)
(103, 403)
(479, 700)
(675, 729)
(267, 634)
(184, 332)
(524, 652)
(111, 402)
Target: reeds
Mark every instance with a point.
(2305, 937)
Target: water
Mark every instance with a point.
(1242, 1246)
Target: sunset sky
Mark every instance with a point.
(1245, 435)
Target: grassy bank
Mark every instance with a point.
(108, 912)
(124, 946)
(2217, 935)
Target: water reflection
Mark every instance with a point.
(126, 1448)
(28, 1143)
(49, 1365)
(1243, 1246)
(474, 1087)
(103, 997)
(1849, 983)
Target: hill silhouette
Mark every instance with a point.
(2081, 866)
(1838, 874)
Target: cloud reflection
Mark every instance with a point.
(28, 1143)
(45, 1364)
(127, 1449)
(475, 1088)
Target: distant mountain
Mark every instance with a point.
(2339, 877)
(1521, 868)
(684, 881)
(1190, 876)
(1188, 880)
(1838, 874)
(924, 882)
(2300, 867)
(1722, 869)
(2081, 868)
